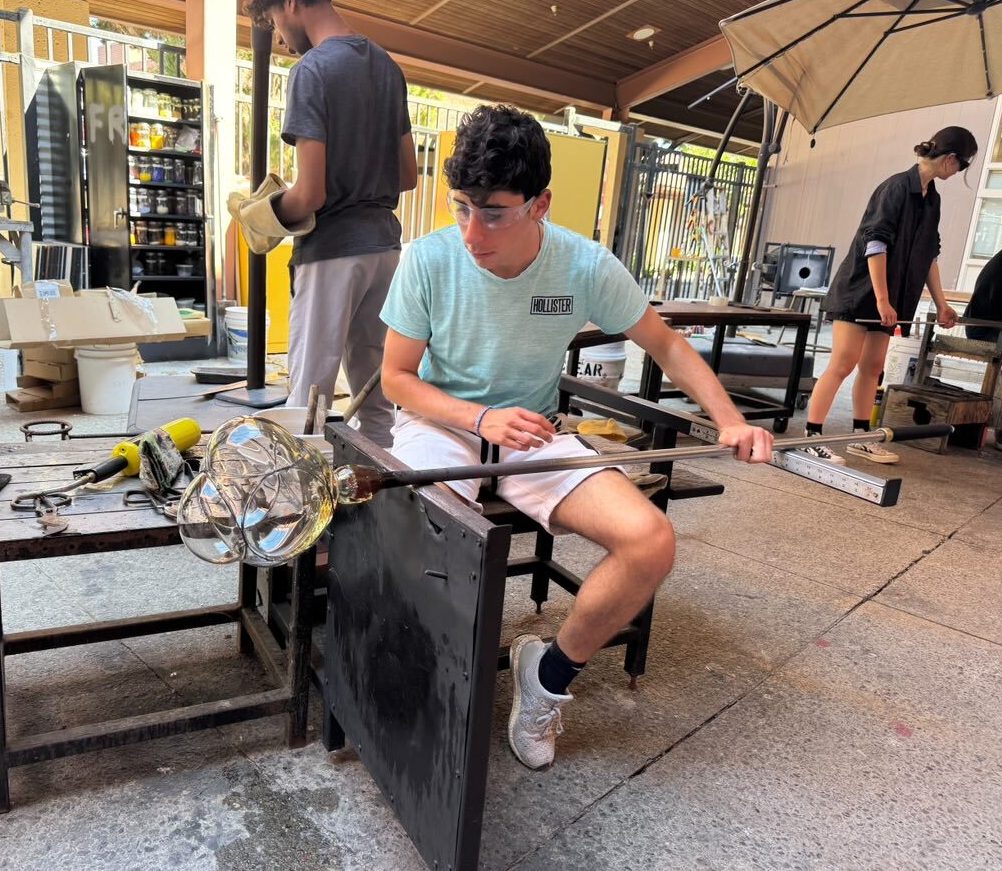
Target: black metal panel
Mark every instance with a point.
(106, 144)
(52, 127)
(415, 592)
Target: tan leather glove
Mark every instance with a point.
(256, 216)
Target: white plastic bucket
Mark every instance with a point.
(235, 321)
(107, 373)
(293, 418)
(9, 369)
(901, 360)
(603, 364)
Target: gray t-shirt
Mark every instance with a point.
(348, 93)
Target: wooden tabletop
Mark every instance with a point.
(680, 313)
(98, 518)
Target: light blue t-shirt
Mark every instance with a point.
(502, 341)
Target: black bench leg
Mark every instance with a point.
(248, 599)
(298, 645)
(636, 651)
(332, 734)
(4, 768)
(541, 575)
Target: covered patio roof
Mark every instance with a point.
(544, 55)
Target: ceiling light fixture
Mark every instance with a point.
(641, 34)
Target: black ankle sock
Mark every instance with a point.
(556, 671)
(813, 428)
(860, 425)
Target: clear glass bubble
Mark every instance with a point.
(265, 495)
(201, 514)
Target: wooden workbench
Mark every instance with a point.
(100, 521)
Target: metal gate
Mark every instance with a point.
(678, 237)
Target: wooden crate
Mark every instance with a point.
(968, 413)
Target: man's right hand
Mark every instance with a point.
(516, 428)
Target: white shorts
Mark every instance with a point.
(422, 444)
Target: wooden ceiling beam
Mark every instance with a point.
(422, 49)
(140, 14)
(673, 72)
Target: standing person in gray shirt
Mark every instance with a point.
(346, 115)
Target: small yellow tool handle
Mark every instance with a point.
(184, 432)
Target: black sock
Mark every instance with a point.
(813, 428)
(860, 424)
(556, 671)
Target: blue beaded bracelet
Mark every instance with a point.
(480, 419)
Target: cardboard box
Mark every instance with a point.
(93, 317)
(57, 390)
(51, 354)
(38, 399)
(197, 327)
(49, 371)
(45, 289)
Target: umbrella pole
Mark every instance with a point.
(725, 139)
(769, 146)
(257, 394)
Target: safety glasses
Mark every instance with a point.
(491, 217)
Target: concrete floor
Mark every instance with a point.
(822, 692)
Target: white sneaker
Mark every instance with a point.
(872, 451)
(535, 713)
(822, 451)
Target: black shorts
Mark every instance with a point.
(866, 310)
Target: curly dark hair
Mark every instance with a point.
(257, 10)
(499, 148)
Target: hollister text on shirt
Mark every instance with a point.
(552, 305)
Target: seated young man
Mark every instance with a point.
(480, 316)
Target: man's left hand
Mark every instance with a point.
(751, 444)
(947, 316)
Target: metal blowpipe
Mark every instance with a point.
(358, 483)
(961, 322)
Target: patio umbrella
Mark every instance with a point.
(832, 61)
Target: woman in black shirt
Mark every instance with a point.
(892, 256)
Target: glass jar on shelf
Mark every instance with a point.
(177, 108)
(133, 201)
(170, 138)
(165, 108)
(140, 233)
(196, 173)
(156, 236)
(144, 204)
(180, 174)
(145, 170)
(170, 234)
(150, 102)
(133, 169)
(158, 173)
(161, 203)
(136, 106)
(194, 204)
(156, 136)
(139, 134)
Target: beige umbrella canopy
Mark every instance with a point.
(833, 61)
